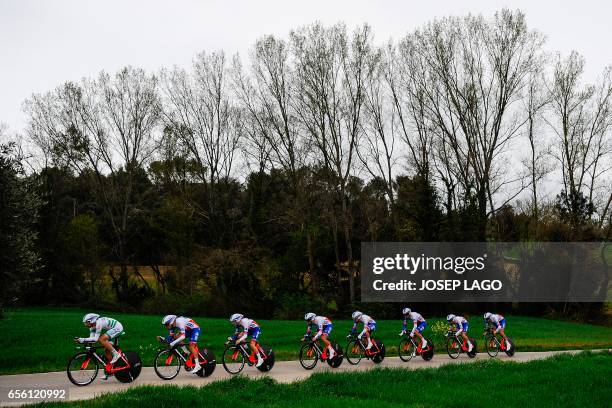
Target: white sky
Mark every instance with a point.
(44, 43)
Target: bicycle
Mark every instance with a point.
(311, 353)
(236, 355)
(408, 348)
(454, 346)
(495, 344)
(168, 361)
(83, 367)
(356, 350)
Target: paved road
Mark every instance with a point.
(283, 371)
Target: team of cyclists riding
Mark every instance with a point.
(181, 329)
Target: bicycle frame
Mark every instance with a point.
(108, 367)
(367, 352)
(316, 347)
(416, 346)
(500, 343)
(187, 361)
(462, 342)
(242, 348)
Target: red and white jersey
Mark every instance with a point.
(458, 320)
(246, 324)
(415, 317)
(365, 319)
(185, 324)
(495, 319)
(319, 322)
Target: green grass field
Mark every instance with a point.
(37, 340)
(583, 380)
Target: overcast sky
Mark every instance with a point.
(46, 42)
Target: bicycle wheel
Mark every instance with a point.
(428, 353)
(233, 360)
(210, 365)
(308, 356)
(379, 355)
(337, 360)
(354, 353)
(167, 364)
(405, 349)
(268, 361)
(82, 369)
(492, 345)
(128, 367)
(453, 347)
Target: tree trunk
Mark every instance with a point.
(311, 261)
(336, 248)
(349, 248)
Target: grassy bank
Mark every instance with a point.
(583, 380)
(37, 340)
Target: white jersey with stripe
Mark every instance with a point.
(103, 324)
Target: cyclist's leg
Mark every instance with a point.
(108, 346)
(502, 329)
(419, 329)
(464, 333)
(254, 333)
(253, 346)
(368, 334)
(193, 348)
(193, 336)
(325, 340)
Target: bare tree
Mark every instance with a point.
(267, 95)
(376, 146)
(536, 99)
(404, 76)
(470, 74)
(103, 129)
(582, 122)
(200, 114)
(331, 75)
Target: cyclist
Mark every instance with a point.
(187, 328)
(418, 325)
(324, 328)
(111, 328)
(498, 322)
(462, 326)
(247, 327)
(369, 325)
